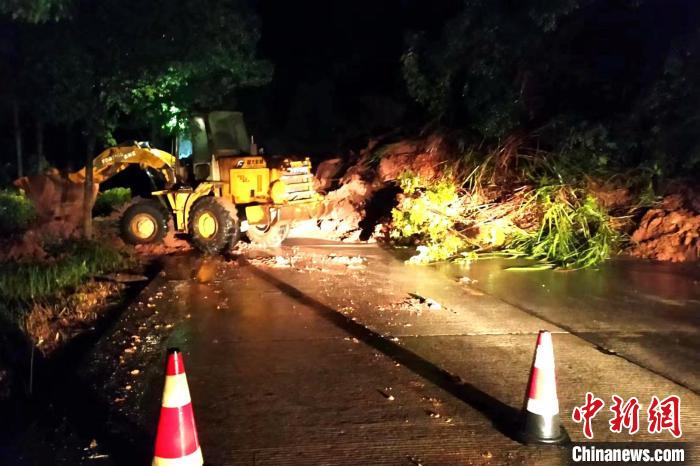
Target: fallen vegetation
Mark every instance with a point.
(564, 210)
(558, 224)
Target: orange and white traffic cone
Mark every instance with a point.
(542, 423)
(176, 439)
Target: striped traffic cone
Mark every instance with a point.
(541, 410)
(176, 438)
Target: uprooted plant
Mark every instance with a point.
(557, 223)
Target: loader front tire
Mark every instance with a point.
(213, 225)
(145, 222)
(268, 236)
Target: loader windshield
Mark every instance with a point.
(228, 133)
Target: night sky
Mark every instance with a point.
(337, 75)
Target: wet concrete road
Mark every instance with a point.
(648, 313)
(307, 358)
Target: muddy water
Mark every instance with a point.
(648, 313)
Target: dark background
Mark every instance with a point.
(338, 79)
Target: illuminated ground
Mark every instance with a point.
(307, 359)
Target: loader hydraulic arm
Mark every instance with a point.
(115, 159)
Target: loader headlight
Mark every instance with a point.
(278, 192)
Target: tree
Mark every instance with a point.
(36, 11)
(118, 61)
(614, 81)
(483, 68)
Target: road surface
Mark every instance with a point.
(322, 354)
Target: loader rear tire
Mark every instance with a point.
(144, 222)
(213, 225)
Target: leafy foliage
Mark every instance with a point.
(574, 232)
(16, 212)
(570, 229)
(572, 74)
(116, 63)
(428, 213)
(36, 11)
(480, 71)
(110, 200)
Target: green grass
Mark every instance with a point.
(575, 231)
(111, 200)
(571, 231)
(16, 212)
(70, 265)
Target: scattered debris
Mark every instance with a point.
(433, 305)
(278, 262)
(50, 325)
(417, 303)
(352, 262)
(308, 262)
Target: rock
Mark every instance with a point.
(467, 280)
(670, 232)
(424, 157)
(350, 216)
(433, 305)
(326, 173)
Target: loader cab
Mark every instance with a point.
(212, 136)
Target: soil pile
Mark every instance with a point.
(360, 207)
(671, 231)
(58, 203)
(367, 192)
(56, 199)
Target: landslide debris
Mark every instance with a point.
(368, 189)
(378, 166)
(669, 231)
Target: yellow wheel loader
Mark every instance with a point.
(217, 187)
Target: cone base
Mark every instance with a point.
(531, 439)
(542, 429)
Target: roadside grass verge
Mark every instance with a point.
(69, 265)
